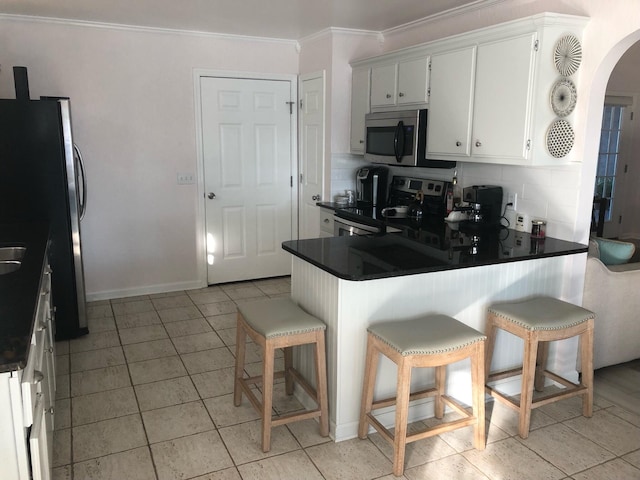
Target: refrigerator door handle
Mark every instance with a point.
(83, 178)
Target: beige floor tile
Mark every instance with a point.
(353, 459)
(175, 301)
(566, 449)
(142, 334)
(510, 460)
(615, 469)
(462, 438)
(224, 413)
(141, 319)
(131, 307)
(244, 442)
(61, 447)
(564, 409)
(228, 336)
(187, 327)
(104, 357)
(507, 419)
(215, 296)
(61, 473)
(283, 403)
(138, 352)
(94, 341)
(157, 369)
(180, 313)
(227, 474)
(63, 386)
(255, 369)
(633, 458)
(101, 324)
(108, 436)
(62, 417)
(99, 380)
(242, 293)
(167, 294)
(103, 406)
(218, 308)
(99, 310)
(215, 382)
(416, 453)
(208, 360)
(290, 465)
(307, 433)
(452, 467)
(219, 322)
(165, 393)
(608, 431)
(63, 364)
(274, 288)
(190, 456)
(176, 421)
(207, 340)
(133, 298)
(633, 418)
(132, 464)
(62, 347)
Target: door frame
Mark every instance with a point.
(201, 233)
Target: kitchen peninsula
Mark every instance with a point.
(353, 282)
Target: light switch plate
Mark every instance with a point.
(186, 178)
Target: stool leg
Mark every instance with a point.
(489, 345)
(370, 370)
(528, 377)
(586, 362)
(321, 383)
(541, 365)
(441, 372)
(288, 365)
(477, 385)
(402, 416)
(267, 394)
(241, 338)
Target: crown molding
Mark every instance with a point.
(332, 30)
(142, 29)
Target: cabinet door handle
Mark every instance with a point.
(478, 143)
(326, 220)
(37, 377)
(316, 198)
(458, 143)
(401, 94)
(388, 95)
(361, 141)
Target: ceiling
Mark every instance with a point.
(284, 19)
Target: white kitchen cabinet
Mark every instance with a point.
(326, 222)
(404, 82)
(360, 90)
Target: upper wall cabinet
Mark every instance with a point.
(400, 83)
(504, 94)
(360, 88)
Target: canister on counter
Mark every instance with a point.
(538, 228)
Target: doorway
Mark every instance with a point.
(247, 140)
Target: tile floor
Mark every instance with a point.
(147, 395)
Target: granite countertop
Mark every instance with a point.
(414, 251)
(19, 293)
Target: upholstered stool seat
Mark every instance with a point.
(538, 321)
(430, 341)
(272, 324)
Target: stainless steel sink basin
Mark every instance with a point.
(11, 259)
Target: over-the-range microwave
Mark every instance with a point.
(399, 138)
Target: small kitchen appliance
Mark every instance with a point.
(485, 205)
(371, 186)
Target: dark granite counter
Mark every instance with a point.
(413, 251)
(19, 293)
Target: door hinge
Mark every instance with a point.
(300, 178)
(300, 104)
(619, 219)
(290, 107)
(536, 44)
(626, 168)
(529, 144)
(291, 181)
(631, 116)
(429, 65)
(429, 92)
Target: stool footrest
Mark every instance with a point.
(388, 402)
(294, 417)
(540, 401)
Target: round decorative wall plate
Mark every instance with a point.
(563, 97)
(560, 137)
(567, 55)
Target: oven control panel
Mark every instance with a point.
(411, 186)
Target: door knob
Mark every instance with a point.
(478, 143)
(316, 198)
(458, 143)
(211, 195)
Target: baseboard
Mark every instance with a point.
(146, 290)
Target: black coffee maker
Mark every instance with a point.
(371, 187)
(485, 204)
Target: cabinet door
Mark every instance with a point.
(450, 103)
(360, 87)
(41, 443)
(383, 85)
(413, 78)
(502, 105)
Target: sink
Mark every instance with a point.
(11, 259)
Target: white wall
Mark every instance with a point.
(133, 116)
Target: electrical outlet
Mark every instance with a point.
(186, 178)
(520, 222)
(512, 198)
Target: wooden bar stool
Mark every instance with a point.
(272, 324)
(431, 341)
(538, 321)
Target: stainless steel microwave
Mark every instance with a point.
(399, 138)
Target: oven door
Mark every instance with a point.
(343, 228)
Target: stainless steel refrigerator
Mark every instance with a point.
(42, 179)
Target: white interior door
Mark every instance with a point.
(246, 145)
(311, 154)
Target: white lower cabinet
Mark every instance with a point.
(27, 399)
(326, 222)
